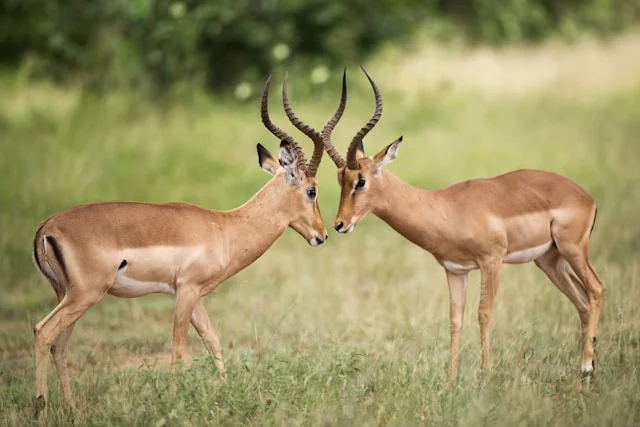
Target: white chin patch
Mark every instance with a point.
(314, 242)
(349, 229)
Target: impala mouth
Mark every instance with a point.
(346, 230)
(316, 241)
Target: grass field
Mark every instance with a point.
(354, 332)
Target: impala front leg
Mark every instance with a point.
(202, 324)
(490, 275)
(457, 299)
(186, 300)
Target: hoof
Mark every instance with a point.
(40, 405)
(587, 372)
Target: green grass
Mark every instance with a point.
(354, 332)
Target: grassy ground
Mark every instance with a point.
(356, 331)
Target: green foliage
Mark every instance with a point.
(154, 44)
(158, 43)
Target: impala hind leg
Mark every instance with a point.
(490, 276)
(579, 263)
(559, 271)
(202, 324)
(49, 329)
(59, 352)
(457, 298)
(572, 241)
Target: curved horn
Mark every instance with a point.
(326, 131)
(357, 140)
(318, 145)
(282, 135)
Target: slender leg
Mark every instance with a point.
(577, 259)
(490, 276)
(457, 299)
(59, 351)
(186, 300)
(202, 324)
(600, 296)
(47, 331)
(559, 271)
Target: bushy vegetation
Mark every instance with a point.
(233, 44)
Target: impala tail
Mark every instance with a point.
(47, 255)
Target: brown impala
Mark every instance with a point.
(514, 218)
(131, 249)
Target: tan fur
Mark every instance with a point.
(188, 249)
(517, 217)
(477, 223)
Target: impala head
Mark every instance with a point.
(361, 178)
(296, 177)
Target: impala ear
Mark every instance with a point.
(267, 162)
(387, 154)
(289, 161)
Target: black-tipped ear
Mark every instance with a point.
(263, 153)
(387, 154)
(267, 162)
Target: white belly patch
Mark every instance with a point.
(517, 257)
(527, 255)
(126, 287)
(459, 268)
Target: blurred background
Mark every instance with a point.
(230, 45)
(159, 100)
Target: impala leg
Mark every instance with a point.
(490, 276)
(577, 259)
(562, 275)
(59, 351)
(202, 324)
(186, 300)
(47, 331)
(599, 299)
(457, 299)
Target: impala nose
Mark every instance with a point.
(338, 226)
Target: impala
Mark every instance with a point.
(517, 217)
(131, 249)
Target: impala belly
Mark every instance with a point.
(527, 255)
(153, 269)
(516, 257)
(126, 287)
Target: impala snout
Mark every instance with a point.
(318, 240)
(341, 227)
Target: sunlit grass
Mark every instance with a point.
(356, 331)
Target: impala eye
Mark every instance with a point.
(312, 193)
(360, 184)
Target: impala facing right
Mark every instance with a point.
(518, 217)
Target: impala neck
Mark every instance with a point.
(252, 228)
(409, 210)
